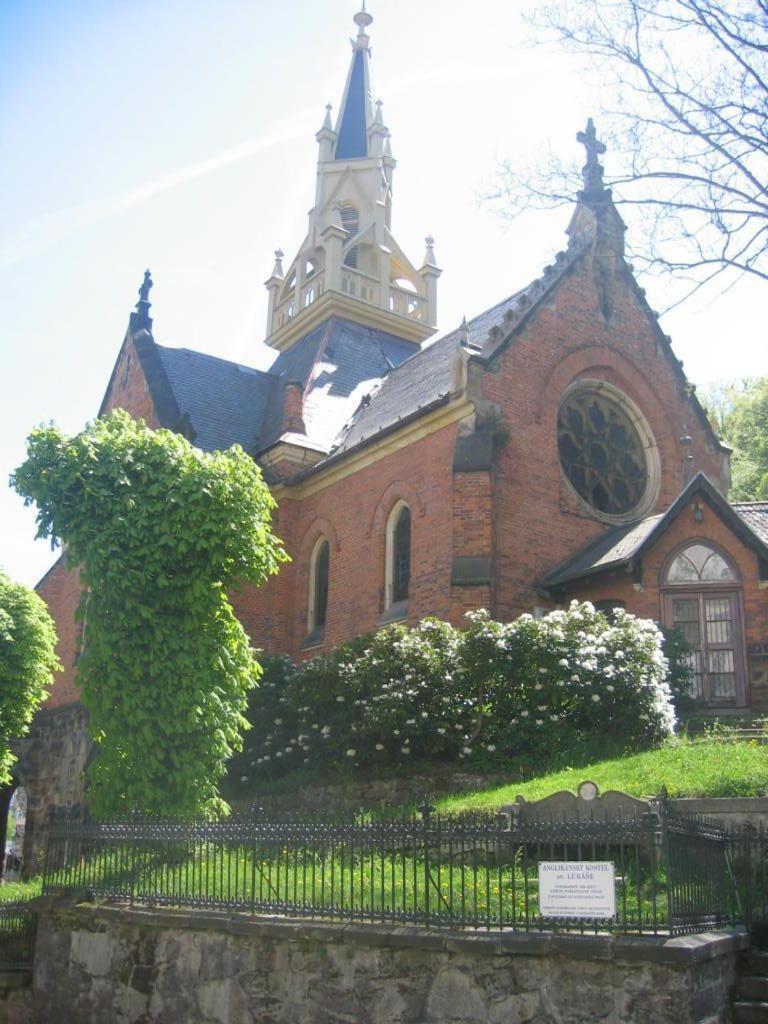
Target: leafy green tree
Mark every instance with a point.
(159, 530)
(745, 426)
(27, 663)
(739, 412)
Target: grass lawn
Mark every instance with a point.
(10, 891)
(708, 767)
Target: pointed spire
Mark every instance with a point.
(464, 332)
(140, 319)
(326, 137)
(592, 171)
(356, 113)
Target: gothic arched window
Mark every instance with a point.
(601, 451)
(319, 566)
(398, 554)
(699, 563)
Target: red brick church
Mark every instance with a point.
(550, 448)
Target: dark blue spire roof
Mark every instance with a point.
(352, 128)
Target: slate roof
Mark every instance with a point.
(358, 381)
(616, 547)
(620, 545)
(425, 379)
(755, 513)
(225, 401)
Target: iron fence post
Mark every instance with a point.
(748, 833)
(426, 810)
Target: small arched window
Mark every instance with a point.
(398, 554)
(318, 588)
(699, 563)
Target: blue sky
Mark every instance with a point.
(180, 136)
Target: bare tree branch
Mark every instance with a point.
(688, 132)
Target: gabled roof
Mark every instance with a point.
(621, 546)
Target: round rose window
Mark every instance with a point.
(601, 452)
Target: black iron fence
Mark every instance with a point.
(17, 934)
(642, 873)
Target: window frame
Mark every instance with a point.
(648, 444)
(702, 590)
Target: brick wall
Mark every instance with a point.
(538, 519)
(353, 514)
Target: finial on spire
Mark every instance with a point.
(277, 270)
(362, 19)
(327, 123)
(429, 255)
(464, 332)
(141, 318)
(592, 171)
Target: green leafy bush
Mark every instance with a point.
(486, 696)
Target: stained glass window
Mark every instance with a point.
(601, 452)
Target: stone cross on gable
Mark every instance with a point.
(592, 171)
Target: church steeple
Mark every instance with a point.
(356, 113)
(349, 264)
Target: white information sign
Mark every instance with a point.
(577, 888)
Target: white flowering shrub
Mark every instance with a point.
(495, 694)
(570, 676)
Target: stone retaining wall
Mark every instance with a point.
(96, 965)
(356, 794)
(730, 810)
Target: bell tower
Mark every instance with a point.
(349, 264)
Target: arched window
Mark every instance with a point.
(318, 588)
(398, 555)
(699, 563)
(702, 600)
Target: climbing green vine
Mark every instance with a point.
(159, 531)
